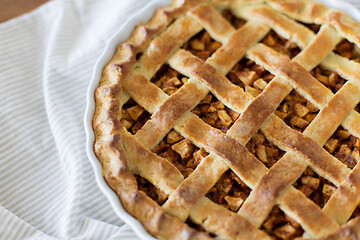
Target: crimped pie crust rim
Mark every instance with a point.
(110, 47)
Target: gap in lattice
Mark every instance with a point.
(315, 187)
(231, 18)
(133, 116)
(348, 50)
(281, 226)
(202, 45)
(315, 28)
(181, 152)
(250, 76)
(198, 227)
(150, 190)
(169, 80)
(229, 191)
(356, 213)
(328, 78)
(344, 146)
(267, 152)
(296, 111)
(215, 113)
(281, 44)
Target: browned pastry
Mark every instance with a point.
(235, 119)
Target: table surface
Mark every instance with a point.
(13, 8)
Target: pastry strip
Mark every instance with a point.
(110, 150)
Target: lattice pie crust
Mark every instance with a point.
(235, 120)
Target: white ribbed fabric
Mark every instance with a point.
(47, 188)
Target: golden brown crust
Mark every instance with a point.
(320, 160)
(218, 27)
(161, 47)
(344, 102)
(349, 231)
(228, 224)
(227, 55)
(298, 76)
(274, 183)
(222, 88)
(106, 116)
(141, 162)
(167, 115)
(190, 191)
(306, 11)
(319, 48)
(259, 109)
(345, 200)
(141, 90)
(123, 155)
(307, 212)
(244, 164)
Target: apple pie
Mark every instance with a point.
(235, 119)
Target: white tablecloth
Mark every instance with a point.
(47, 188)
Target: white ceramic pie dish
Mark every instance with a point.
(142, 16)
